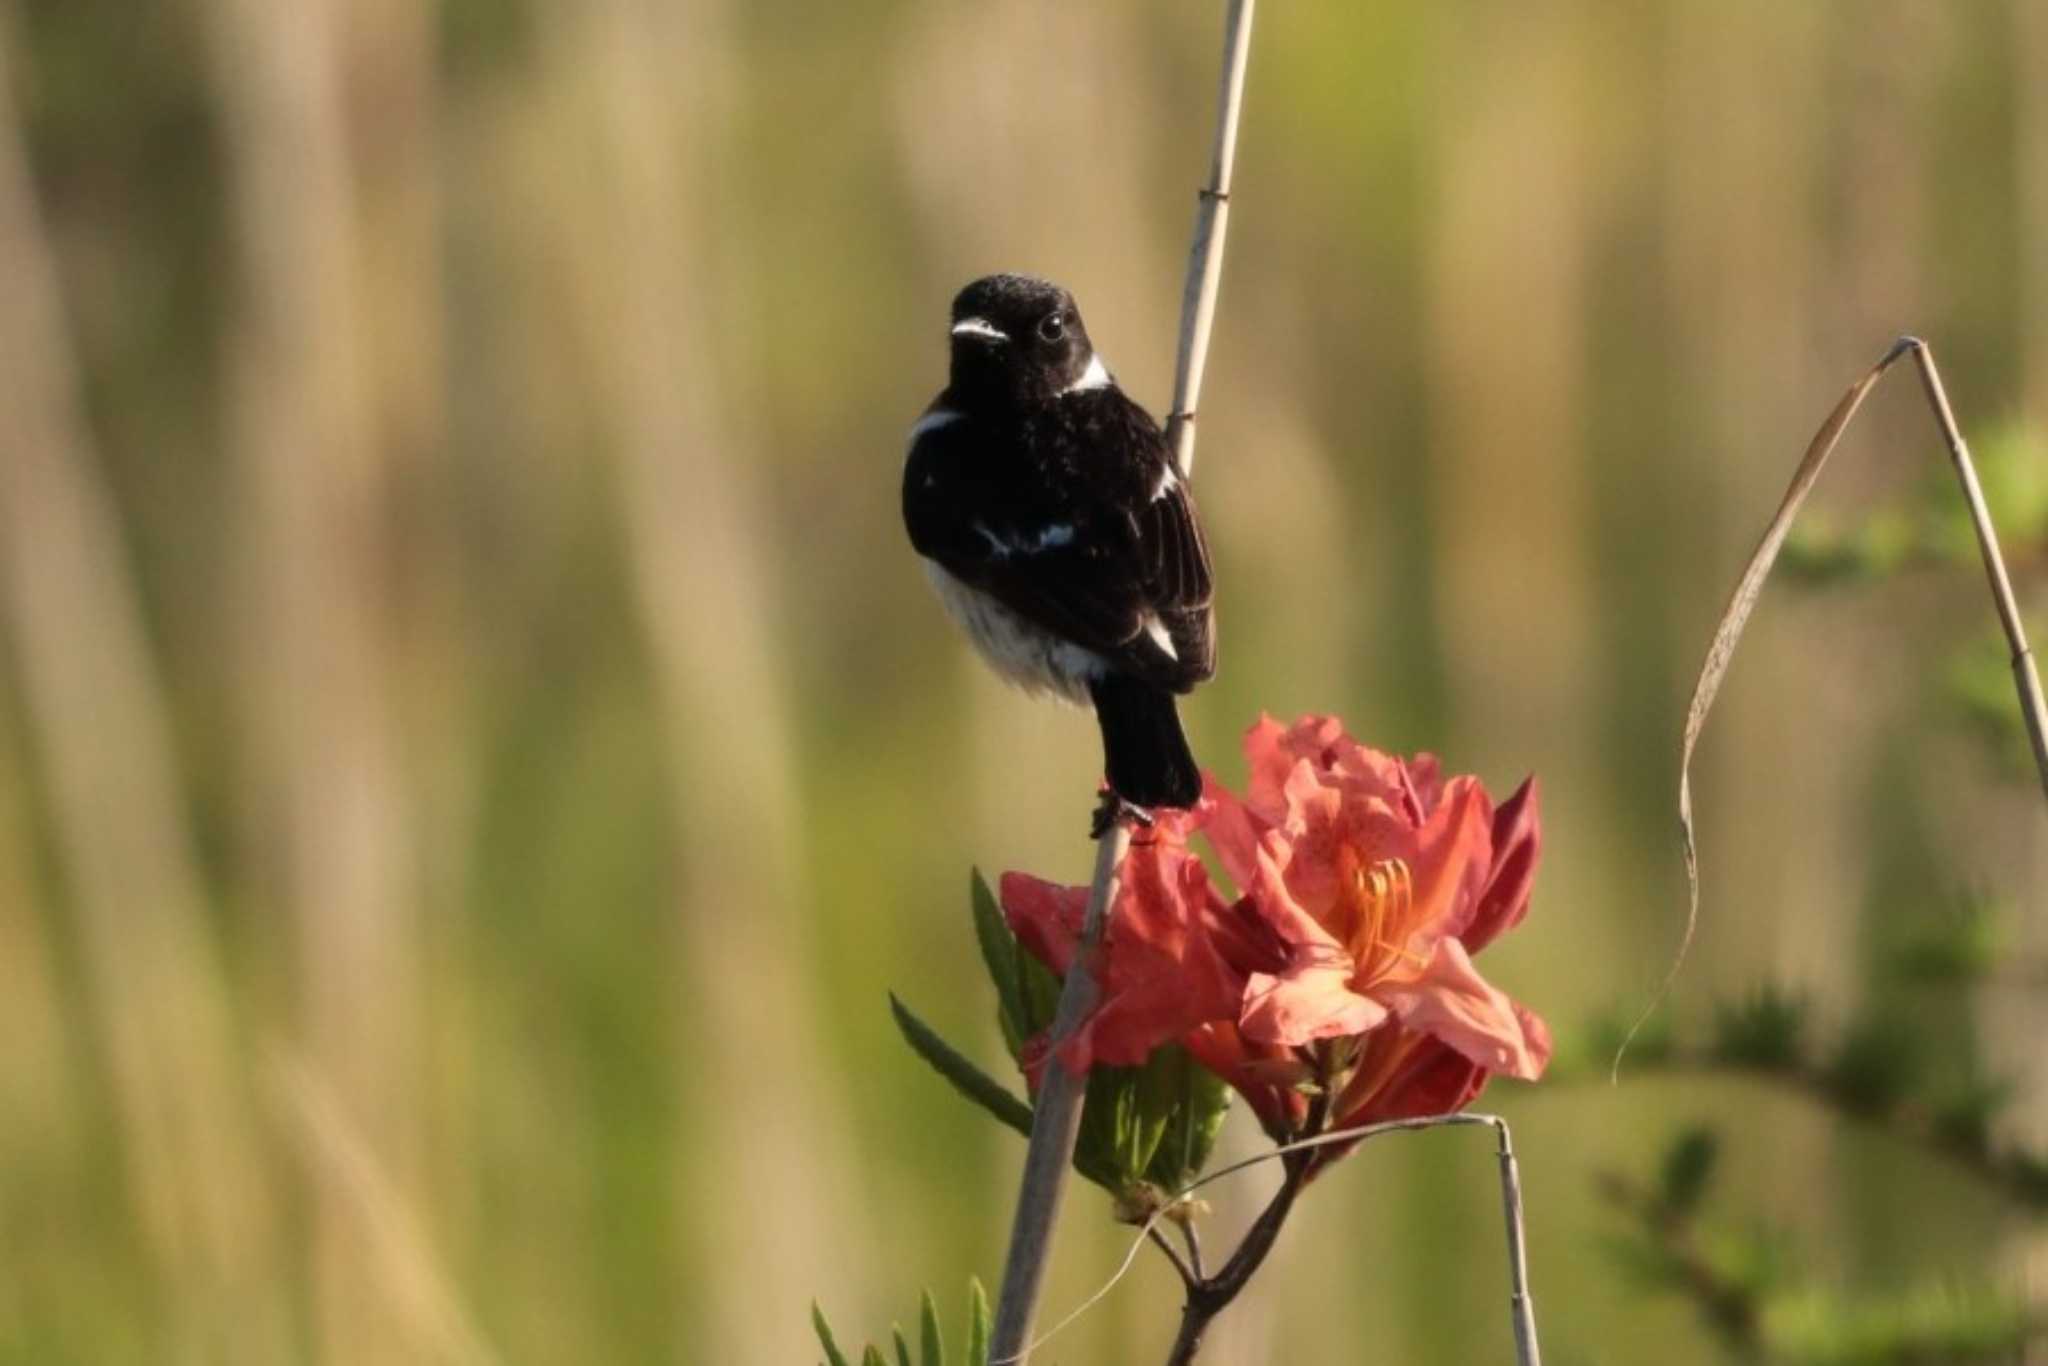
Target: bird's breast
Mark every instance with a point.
(1028, 656)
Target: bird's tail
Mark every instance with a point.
(1143, 746)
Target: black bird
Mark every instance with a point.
(1059, 534)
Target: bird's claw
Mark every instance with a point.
(1112, 810)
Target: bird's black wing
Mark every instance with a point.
(1054, 559)
(1183, 585)
(1068, 541)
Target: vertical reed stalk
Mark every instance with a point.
(1056, 1120)
(2026, 678)
(102, 735)
(693, 508)
(1205, 256)
(328, 816)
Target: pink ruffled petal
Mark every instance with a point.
(1456, 852)
(1045, 916)
(1517, 844)
(1233, 831)
(1452, 1002)
(1305, 1004)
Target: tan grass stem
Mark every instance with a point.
(102, 734)
(1057, 1117)
(1205, 255)
(1055, 1122)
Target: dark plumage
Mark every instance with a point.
(1054, 526)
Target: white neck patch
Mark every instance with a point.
(1096, 376)
(931, 422)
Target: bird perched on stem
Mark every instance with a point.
(1058, 533)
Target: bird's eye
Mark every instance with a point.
(1053, 327)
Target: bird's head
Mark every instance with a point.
(1019, 341)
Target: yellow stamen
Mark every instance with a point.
(1382, 899)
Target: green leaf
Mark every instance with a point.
(1040, 990)
(1878, 1063)
(1151, 1126)
(1963, 1115)
(833, 1356)
(973, 1083)
(1688, 1171)
(977, 1324)
(999, 953)
(1102, 1152)
(1766, 1029)
(1162, 1093)
(902, 1344)
(1977, 685)
(2028, 1173)
(872, 1357)
(1200, 1102)
(1968, 938)
(934, 1344)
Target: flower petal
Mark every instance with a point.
(1045, 916)
(1157, 973)
(1453, 853)
(1233, 831)
(1455, 1004)
(1243, 1065)
(1517, 844)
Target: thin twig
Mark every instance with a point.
(1055, 1122)
(1522, 1302)
(1189, 1277)
(1056, 1117)
(1521, 1306)
(2017, 1173)
(1735, 616)
(2025, 678)
(1192, 1236)
(1737, 1307)
(1211, 1297)
(1205, 256)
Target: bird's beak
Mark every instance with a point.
(980, 327)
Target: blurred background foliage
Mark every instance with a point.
(475, 750)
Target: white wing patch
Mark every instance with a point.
(1096, 376)
(1155, 631)
(1048, 538)
(997, 546)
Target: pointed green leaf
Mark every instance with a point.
(934, 1344)
(973, 1083)
(872, 1357)
(902, 1345)
(1161, 1095)
(1688, 1171)
(833, 1356)
(1107, 1140)
(977, 1323)
(999, 953)
(1040, 991)
(1200, 1102)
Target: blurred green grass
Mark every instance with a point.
(499, 408)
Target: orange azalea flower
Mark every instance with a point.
(1368, 883)
(1158, 972)
(1391, 1073)
(1371, 882)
